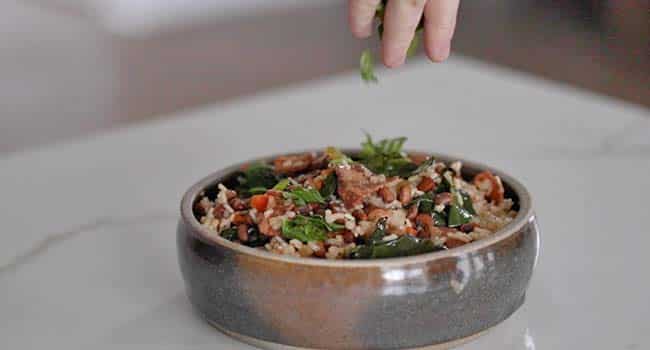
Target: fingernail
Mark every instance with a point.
(440, 51)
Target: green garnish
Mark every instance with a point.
(257, 190)
(303, 196)
(403, 246)
(461, 209)
(229, 234)
(329, 185)
(366, 65)
(424, 202)
(380, 232)
(386, 157)
(308, 228)
(439, 219)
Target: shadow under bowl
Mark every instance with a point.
(431, 301)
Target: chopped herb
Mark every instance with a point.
(229, 234)
(460, 211)
(458, 216)
(367, 67)
(386, 157)
(329, 185)
(303, 196)
(308, 228)
(468, 205)
(280, 186)
(366, 61)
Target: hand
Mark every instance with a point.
(400, 22)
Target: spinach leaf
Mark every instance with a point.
(458, 216)
(439, 219)
(424, 202)
(329, 185)
(308, 228)
(302, 196)
(403, 246)
(229, 234)
(257, 178)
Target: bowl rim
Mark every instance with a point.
(524, 216)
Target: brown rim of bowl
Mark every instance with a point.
(524, 215)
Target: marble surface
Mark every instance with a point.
(87, 255)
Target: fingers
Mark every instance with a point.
(439, 25)
(400, 21)
(360, 15)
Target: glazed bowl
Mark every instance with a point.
(429, 301)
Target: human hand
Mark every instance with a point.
(401, 19)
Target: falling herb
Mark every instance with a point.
(366, 63)
(329, 185)
(308, 228)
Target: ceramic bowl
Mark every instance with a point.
(428, 301)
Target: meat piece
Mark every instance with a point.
(293, 163)
(237, 203)
(355, 183)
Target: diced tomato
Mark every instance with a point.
(259, 202)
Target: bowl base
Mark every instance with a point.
(266, 345)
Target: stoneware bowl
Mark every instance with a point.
(430, 301)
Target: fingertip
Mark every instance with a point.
(439, 51)
(392, 59)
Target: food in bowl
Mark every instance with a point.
(379, 203)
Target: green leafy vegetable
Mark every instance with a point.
(386, 157)
(403, 246)
(424, 202)
(303, 196)
(329, 185)
(229, 234)
(367, 67)
(380, 232)
(461, 209)
(439, 219)
(256, 178)
(308, 228)
(282, 185)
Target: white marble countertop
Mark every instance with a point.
(87, 250)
